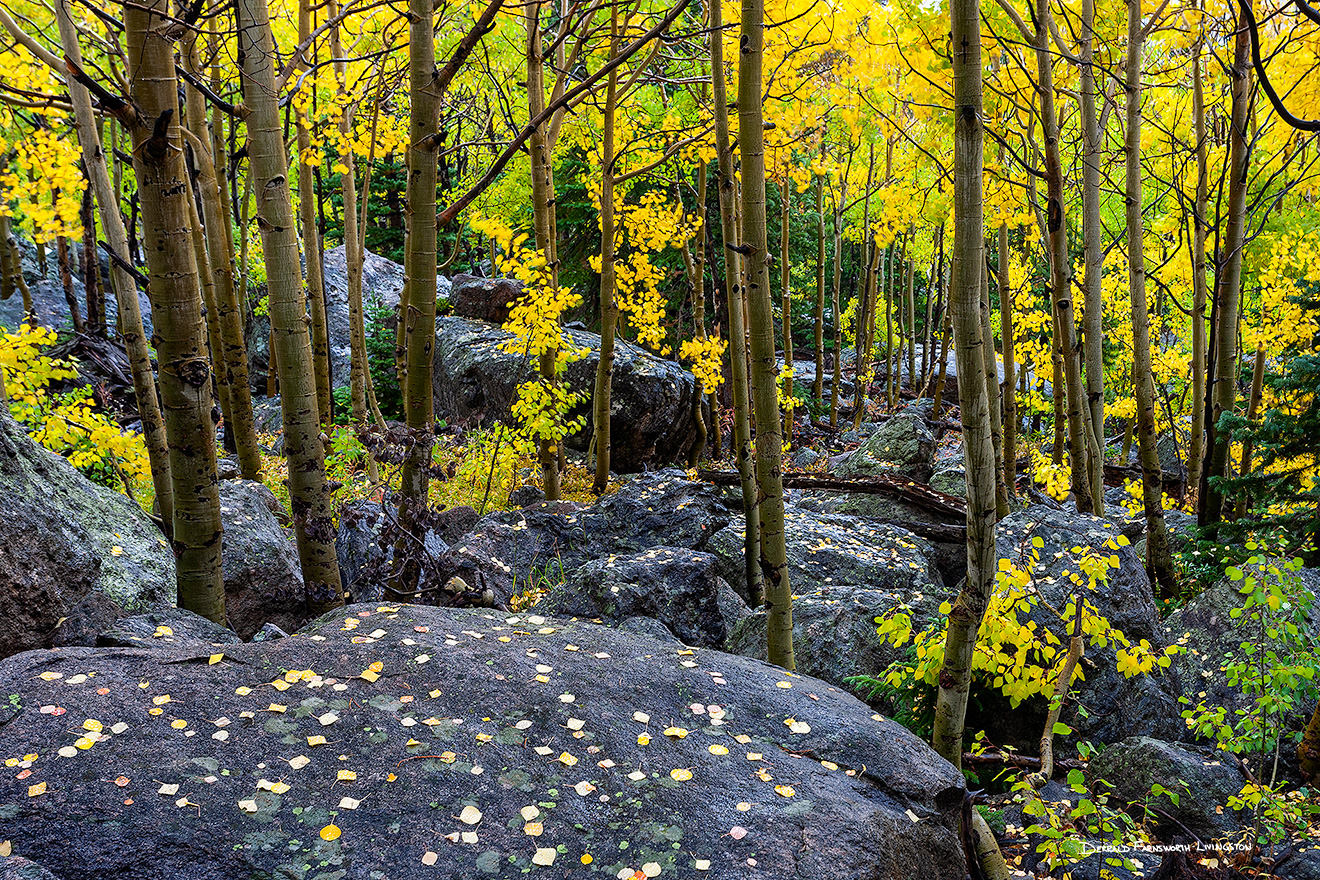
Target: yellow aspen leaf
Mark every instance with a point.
(331, 832)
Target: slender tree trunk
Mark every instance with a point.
(209, 312)
(1228, 287)
(735, 296)
(991, 378)
(1159, 559)
(937, 405)
(927, 329)
(887, 279)
(419, 333)
(543, 206)
(769, 450)
(230, 353)
(1253, 412)
(694, 269)
(121, 281)
(91, 266)
(309, 496)
(176, 307)
(837, 380)
(964, 304)
(866, 336)
(912, 324)
(312, 237)
(818, 386)
(1092, 241)
(1061, 270)
(786, 308)
(62, 263)
(609, 310)
(353, 251)
(1199, 293)
(1010, 368)
(863, 322)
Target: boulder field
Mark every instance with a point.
(418, 742)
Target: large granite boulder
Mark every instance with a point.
(651, 400)
(827, 551)
(49, 304)
(901, 444)
(263, 578)
(537, 547)
(74, 556)
(382, 281)
(1114, 705)
(167, 627)
(676, 587)
(486, 299)
(845, 573)
(365, 564)
(1211, 637)
(411, 742)
(1201, 782)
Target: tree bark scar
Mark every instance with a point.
(1055, 219)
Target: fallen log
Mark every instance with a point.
(894, 485)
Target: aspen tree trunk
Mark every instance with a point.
(769, 450)
(694, 269)
(786, 309)
(121, 281)
(837, 380)
(1092, 243)
(699, 258)
(10, 273)
(176, 308)
(912, 324)
(353, 252)
(887, 279)
(927, 330)
(1253, 412)
(309, 496)
(1061, 271)
(609, 310)
(866, 336)
(1010, 368)
(735, 296)
(91, 271)
(1228, 287)
(964, 305)
(937, 405)
(1199, 293)
(423, 170)
(311, 237)
(230, 351)
(543, 207)
(991, 377)
(66, 281)
(1159, 559)
(818, 386)
(865, 305)
(209, 313)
